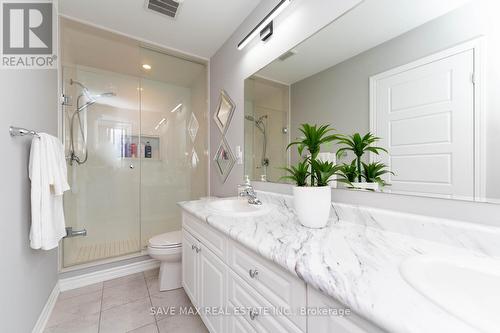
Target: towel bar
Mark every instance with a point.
(75, 233)
(19, 131)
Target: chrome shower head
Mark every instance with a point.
(81, 85)
(72, 82)
(252, 118)
(93, 99)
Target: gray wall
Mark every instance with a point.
(340, 94)
(29, 99)
(229, 68)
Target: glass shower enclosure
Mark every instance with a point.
(135, 145)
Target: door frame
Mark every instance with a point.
(477, 45)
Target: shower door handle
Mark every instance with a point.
(74, 233)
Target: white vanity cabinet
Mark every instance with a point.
(204, 278)
(219, 273)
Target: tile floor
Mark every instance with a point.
(122, 305)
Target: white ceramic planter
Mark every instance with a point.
(312, 205)
(367, 186)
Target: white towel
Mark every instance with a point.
(48, 174)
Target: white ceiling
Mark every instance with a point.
(87, 46)
(371, 23)
(200, 28)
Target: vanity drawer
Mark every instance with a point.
(279, 287)
(239, 324)
(245, 298)
(210, 237)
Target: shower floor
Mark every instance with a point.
(101, 244)
(91, 252)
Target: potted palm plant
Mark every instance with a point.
(348, 173)
(373, 172)
(312, 194)
(359, 145)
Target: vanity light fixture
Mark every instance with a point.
(177, 108)
(265, 27)
(146, 66)
(266, 32)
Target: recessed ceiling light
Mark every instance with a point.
(146, 67)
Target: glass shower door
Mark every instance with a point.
(174, 125)
(105, 182)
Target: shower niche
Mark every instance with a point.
(138, 147)
(138, 142)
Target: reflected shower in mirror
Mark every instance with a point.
(266, 131)
(410, 88)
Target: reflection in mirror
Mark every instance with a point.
(266, 128)
(225, 110)
(224, 160)
(421, 76)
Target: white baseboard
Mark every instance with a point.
(107, 274)
(47, 310)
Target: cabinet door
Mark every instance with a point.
(211, 238)
(190, 266)
(212, 292)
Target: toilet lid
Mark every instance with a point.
(169, 239)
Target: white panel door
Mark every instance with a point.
(212, 293)
(425, 117)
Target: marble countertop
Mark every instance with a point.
(356, 257)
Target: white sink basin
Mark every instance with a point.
(466, 287)
(237, 207)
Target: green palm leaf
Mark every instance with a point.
(359, 145)
(373, 172)
(313, 137)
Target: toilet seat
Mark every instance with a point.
(161, 253)
(167, 240)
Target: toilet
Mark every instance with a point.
(167, 248)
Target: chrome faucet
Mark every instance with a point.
(247, 190)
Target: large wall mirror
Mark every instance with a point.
(422, 76)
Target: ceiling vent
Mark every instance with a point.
(164, 7)
(287, 55)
